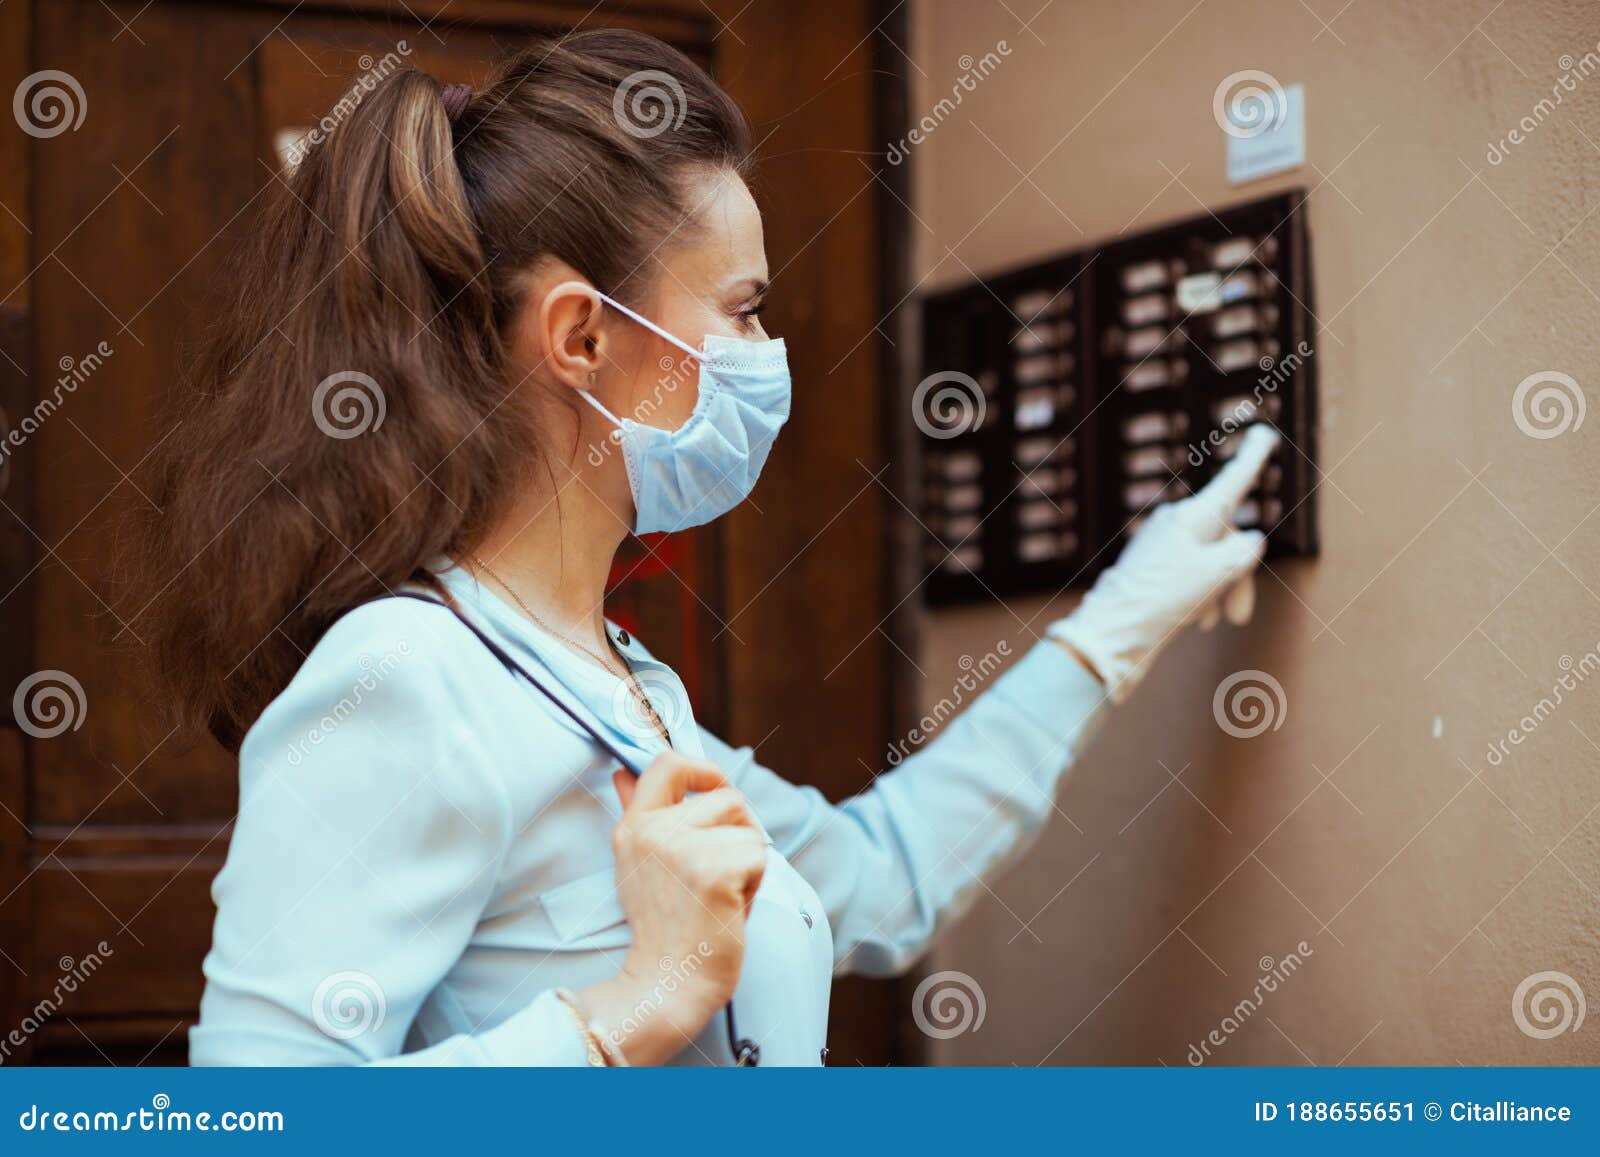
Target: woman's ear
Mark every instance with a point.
(570, 330)
(570, 319)
(558, 329)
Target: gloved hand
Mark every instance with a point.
(1186, 562)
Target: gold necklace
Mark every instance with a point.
(628, 677)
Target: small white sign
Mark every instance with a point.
(1267, 135)
(1200, 292)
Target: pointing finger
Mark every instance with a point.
(1223, 493)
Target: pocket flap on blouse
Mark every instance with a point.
(582, 907)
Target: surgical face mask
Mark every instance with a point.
(689, 476)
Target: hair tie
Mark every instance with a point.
(455, 97)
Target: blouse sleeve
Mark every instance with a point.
(898, 863)
(370, 832)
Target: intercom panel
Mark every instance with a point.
(1061, 401)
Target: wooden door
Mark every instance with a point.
(112, 830)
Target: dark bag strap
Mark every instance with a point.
(517, 669)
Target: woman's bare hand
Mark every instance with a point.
(688, 867)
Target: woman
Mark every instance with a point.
(551, 317)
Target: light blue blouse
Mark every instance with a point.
(422, 852)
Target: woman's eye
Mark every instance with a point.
(750, 312)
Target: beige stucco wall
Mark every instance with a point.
(1460, 560)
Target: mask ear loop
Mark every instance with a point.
(589, 397)
(651, 326)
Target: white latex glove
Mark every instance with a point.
(1185, 563)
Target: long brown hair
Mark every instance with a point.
(351, 414)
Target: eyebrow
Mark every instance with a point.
(758, 285)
